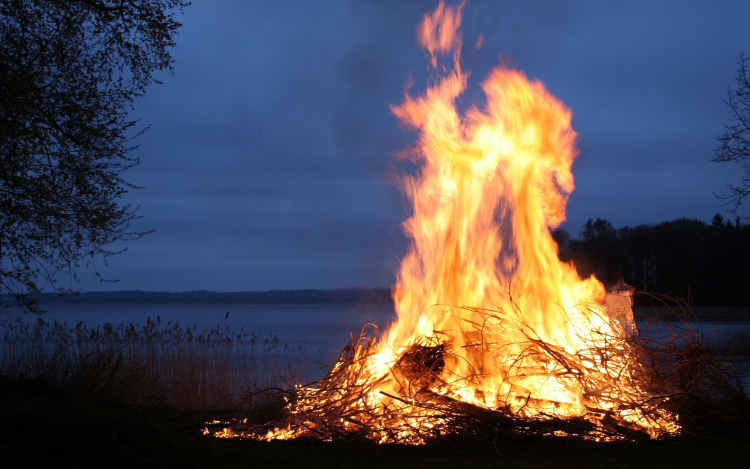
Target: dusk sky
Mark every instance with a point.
(268, 159)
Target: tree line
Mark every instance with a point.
(705, 264)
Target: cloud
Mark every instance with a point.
(268, 159)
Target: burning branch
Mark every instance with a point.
(415, 402)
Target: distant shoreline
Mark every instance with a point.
(371, 296)
(343, 296)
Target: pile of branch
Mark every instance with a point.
(632, 389)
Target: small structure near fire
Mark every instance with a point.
(494, 334)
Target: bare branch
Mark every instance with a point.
(734, 143)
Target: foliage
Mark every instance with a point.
(734, 143)
(705, 264)
(70, 71)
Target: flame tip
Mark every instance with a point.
(489, 318)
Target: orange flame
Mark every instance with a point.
(438, 32)
(485, 307)
(492, 183)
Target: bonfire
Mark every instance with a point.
(493, 331)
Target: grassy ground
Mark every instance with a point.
(45, 426)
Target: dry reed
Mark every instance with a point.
(711, 397)
(734, 340)
(150, 365)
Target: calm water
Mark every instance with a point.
(322, 330)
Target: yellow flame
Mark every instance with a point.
(492, 182)
(501, 322)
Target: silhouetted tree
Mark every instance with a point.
(600, 241)
(734, 143)
(562, 238)
(70, 71)
(705, 264)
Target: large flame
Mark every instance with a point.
(488, 315)
(492, 182)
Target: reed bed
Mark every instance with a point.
(154, 364)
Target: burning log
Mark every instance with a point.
(419, 368)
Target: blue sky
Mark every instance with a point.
(268, 159)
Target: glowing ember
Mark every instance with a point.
(491, 327)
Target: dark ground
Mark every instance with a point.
(46, 427)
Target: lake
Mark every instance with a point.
(322, 330)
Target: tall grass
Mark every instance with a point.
(153, 364)
(733, 340)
